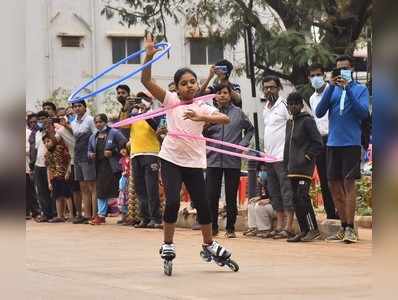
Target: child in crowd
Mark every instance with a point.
(58, 160)
(123, 185)
(303, 143)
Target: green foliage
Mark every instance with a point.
(364, 197)
(289, 34)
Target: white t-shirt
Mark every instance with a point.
(275, 119)
(41, 150)
(321, 123)
(184, 152)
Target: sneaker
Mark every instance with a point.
(57, 220)
(80, 220)
(338, 237)
(217, 250)
(297, 238)
(249, 231)
(154, 225)
(230, 234)
(312, 235)
(350, 235)
(167, 251)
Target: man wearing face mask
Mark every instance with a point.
(275, 117)
(40, 170)
(347, 104)
(145, 146)
(122, 96)
(316, 75)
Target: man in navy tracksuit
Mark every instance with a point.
(303, 143)
(347, 103)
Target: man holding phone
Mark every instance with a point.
(222, 70)
(347, 103)
(144, 149)
(122, 96)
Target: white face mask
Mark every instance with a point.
(317, 82)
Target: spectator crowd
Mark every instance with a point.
(81, 170)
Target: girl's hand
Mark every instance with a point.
(149, 44)
(193, 116)
(50, 187)
(91, 155)
(107, 153)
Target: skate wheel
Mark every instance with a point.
(232, 265)
(168, 267)
(205, 257)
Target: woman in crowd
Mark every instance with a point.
(104, 148)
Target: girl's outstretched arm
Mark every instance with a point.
(146, 75)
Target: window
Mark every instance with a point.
(206, 52)
(70, 41)
(123, 47)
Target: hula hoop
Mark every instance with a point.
(159, 112)
(74, 97)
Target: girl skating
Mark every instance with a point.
(183, 160)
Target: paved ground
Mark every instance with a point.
(66, 261)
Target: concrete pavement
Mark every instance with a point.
(66, 261)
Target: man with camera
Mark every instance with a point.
(123, 97)
(347, 103)
(222, 70)
(144, 149)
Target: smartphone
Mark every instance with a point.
(335, 73)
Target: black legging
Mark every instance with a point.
(213, 186)
(173, 176)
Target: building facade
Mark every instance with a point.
(69, 41)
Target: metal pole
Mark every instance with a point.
(252, 164)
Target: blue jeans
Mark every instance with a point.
(102, 207)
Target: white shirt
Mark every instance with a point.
(321, 123)
(184, 152)
(85, 124)
(275, 119)
(41, 150)
(27, 148)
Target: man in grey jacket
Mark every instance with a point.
(220, 164)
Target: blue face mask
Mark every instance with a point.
(40, 125)
(346, 75)
(317, 82)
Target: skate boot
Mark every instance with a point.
(219, 254)
(167, 253)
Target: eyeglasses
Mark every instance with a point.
(273, 87)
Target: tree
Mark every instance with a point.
(302, 31)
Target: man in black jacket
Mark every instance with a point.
(303, 143)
